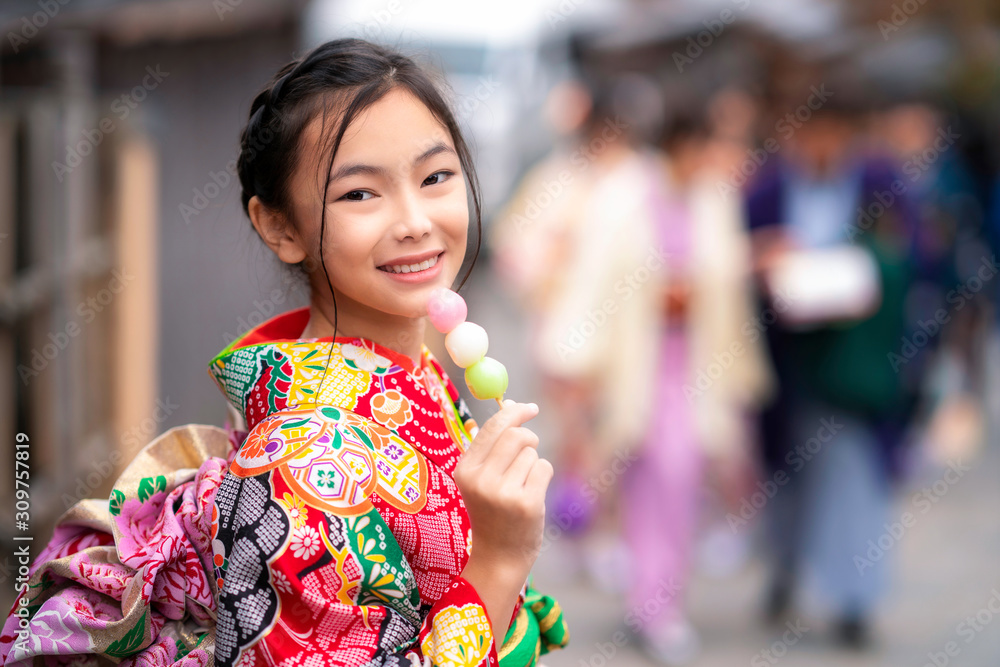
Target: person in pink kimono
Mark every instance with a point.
(693, 428)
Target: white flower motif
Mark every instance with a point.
(281, 582)
(363, 358)
(48, 634)
(305, 542)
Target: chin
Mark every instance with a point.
(411, 305)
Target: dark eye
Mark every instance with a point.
(442, 174)
(357, 195)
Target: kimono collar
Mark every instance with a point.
(288, 326)
(238, 367)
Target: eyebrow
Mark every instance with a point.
(349, 169)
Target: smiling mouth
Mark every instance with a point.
(411, 268)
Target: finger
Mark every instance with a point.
(516, 473)
(539, 477)
(513, 414)
(527, 436)
(507, 447)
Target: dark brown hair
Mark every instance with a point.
(342, 77)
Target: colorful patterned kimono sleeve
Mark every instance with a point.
(308, 568)
(457, 630)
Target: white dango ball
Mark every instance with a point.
(467, 343)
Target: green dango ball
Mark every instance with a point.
(487, 378)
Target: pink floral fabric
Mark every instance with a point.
(130, 579)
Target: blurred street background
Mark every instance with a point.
(741, 252)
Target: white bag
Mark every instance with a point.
(827, 285)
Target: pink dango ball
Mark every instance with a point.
(467, 343)
(446, 309)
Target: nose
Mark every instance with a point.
(414, 222)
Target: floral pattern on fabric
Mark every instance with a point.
(376, 530)
(130, 578)
(322, 527)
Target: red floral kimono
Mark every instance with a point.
(337, 535)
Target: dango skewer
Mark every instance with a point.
(467, 344)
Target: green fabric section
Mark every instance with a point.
(849, 365)
(538, 628)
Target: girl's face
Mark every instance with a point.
(397, 216)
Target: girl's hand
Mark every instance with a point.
(503, 482)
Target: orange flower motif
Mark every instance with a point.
(255, 443)
(391, 408)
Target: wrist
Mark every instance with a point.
(499, 572)
(498, 588)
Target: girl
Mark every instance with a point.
(364, 518)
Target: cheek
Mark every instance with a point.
(453, 216)
(347, 245)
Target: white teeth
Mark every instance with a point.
(412, 268)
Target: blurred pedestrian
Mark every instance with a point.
(836, 424)
(707, 375)
(575, 244)
(949, 375)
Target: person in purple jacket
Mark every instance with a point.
(835, 427)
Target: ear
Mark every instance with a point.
(278, 233)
